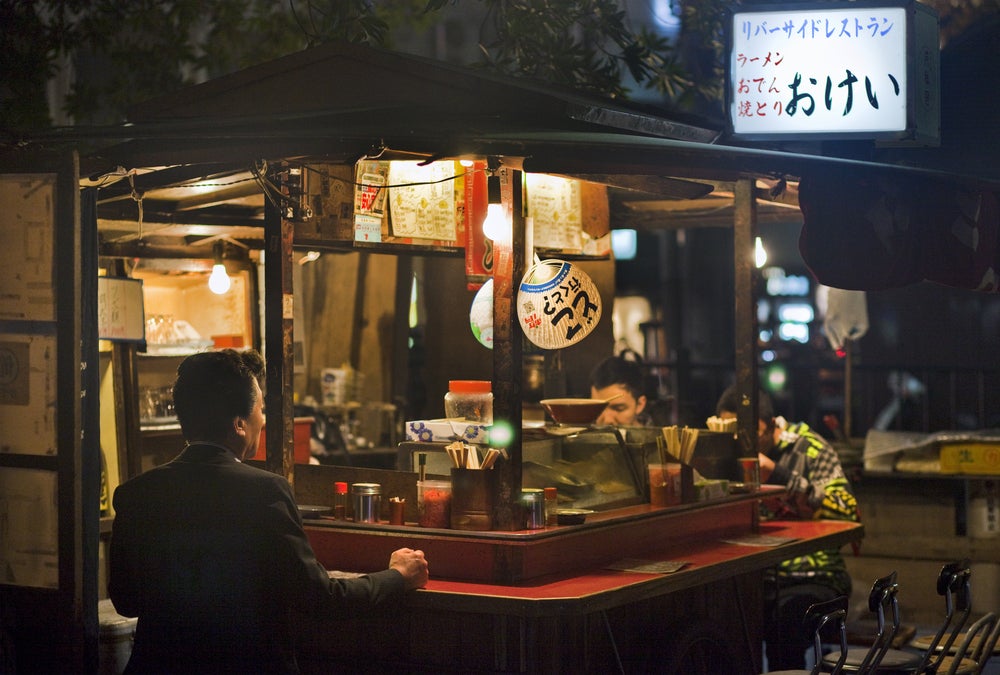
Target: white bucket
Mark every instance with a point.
(115, 640)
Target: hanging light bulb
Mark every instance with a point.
(218, 281)
(495, 225)
(759, 254)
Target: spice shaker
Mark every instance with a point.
(367, 498)
(340, 500)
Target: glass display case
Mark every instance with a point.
(591, 468)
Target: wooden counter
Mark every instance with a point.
(705, 618)
(513, 557)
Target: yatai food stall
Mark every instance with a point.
(501, 594)
(500, 598)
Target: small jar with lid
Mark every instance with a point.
(340, 500)
(471, 400)
(533, 500)
(367, 498)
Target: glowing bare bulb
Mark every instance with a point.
(495, 225)
(218, 281)
(759, 254)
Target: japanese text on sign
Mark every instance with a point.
(822, 70)
(561, 311)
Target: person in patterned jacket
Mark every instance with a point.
(797, 457)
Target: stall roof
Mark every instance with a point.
(190, 153)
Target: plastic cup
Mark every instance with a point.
(397, 512)
(433, 503)
(665, 484)
(751, 473)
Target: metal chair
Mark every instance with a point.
(879, 657)
(974, 651)
(823, 613)
(953, 584)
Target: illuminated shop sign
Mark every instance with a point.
(834, 71)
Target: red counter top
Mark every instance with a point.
(597, 589)
(527, 558)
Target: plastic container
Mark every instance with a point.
(367, 499)
(434, 503)
(471, 400)
(340, 500)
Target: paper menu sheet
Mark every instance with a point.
(646, 566)
(422, 200)
(759, 540)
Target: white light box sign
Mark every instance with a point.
(834, 71)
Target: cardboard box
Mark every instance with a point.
(971, 457)
(447, 430)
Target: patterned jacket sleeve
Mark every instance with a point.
(817, 474)
(830, 494)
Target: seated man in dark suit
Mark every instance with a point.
(209, 553)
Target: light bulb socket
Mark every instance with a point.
(218, 251)
(493, 190)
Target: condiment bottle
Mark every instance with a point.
(340, 500)
(534, 508)
(367, 502)
(551, 506)
(471, 400)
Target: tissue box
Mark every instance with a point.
(971, 458)
(447, 430)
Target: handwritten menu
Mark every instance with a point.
(819, 70)
(422, 200)
(27, 220)
(554, 207)
(120, 314)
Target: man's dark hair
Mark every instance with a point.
(729, 402)
(214, 387)
(616, 370)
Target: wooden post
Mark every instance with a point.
(745, 271)
(508, 269)
(278, 317)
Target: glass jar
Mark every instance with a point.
(434, 503)
(533, 500)
(470, 400)
(367, 502)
